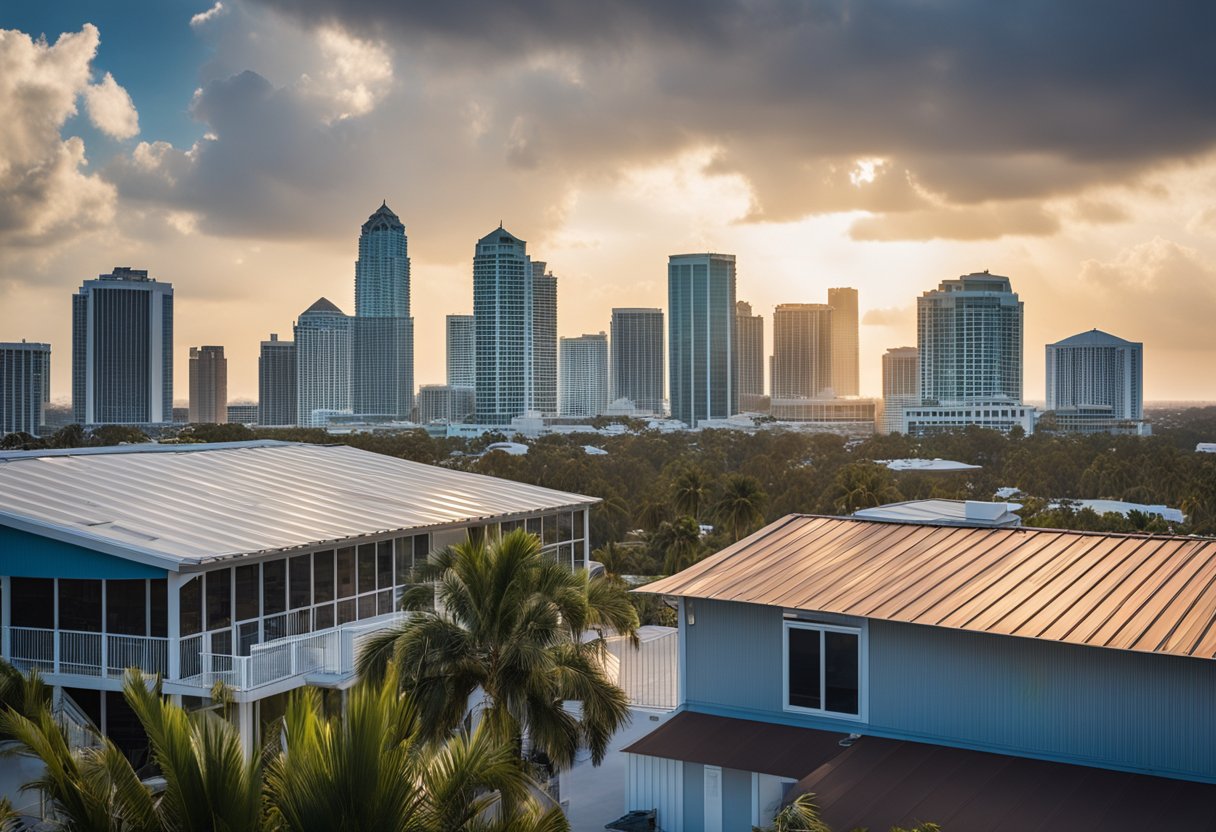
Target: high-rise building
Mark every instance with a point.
(208, 385)
(802, 351)
(503, 322)
(277, 390)
(382, 331)
(323, 362)
(584, 375)
(846, 368)
(900, 386)
(544, 339)
(242, 414)
(1095, 383)
(969, 337)
(122, 349)
(701, 337)
(25, 386)
(445, 403)
(462, 352)
(749, 356)
(637, 358)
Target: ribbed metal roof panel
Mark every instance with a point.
(1146, 593)
(193, 503)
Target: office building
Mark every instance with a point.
(749, 356)
(544, 340)
(584, 375)
(445, 403)
(900, 386)
(461, 351)
(802, 351)
(382, 331)
(277, 383)
(1095, 384)
(122, 349)
(323, 364)
(208, 385)
(846, 368)
(25, 386)
(637, 359)
(701, 338)
(243, 414)
(503, 321)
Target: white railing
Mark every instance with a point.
(328, 652)
(86, 654)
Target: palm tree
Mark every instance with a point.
(510, 622)
(679, 541)
(802, 815)
(690, 491)
(741, 506)
(863, 485)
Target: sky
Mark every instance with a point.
(234, 148)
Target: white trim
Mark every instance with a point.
(863, 662)
(682, 647)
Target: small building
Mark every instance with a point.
(978, 678)
(936, 466)
(243, 414)
(937, 512)
(263, 565)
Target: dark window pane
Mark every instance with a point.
(33, 603)
(221, 642)
(804, 668)
(323, 576)
(367, 567)
(274, 627)
(384, 564)
(477, 534)
(840, 652)
(219, 600)
(301, 581)
(347, 611)
(564, 526)
(80, 605)
(191, 595)
(247, 635)
(127, 607)
(550, 527)
(534, 526)
(405, 560)
(160, 607)
(247, 591)
(422, 548)
(509, 526)
(578, 525)
(367, 606)
(274, 587)
(346, 572)
(384, 602)
(324, 617)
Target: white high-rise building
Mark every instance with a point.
(504, 323)
(208, 386)
(802, 351)
(444, 403)
(544, 340)
(25, 386)
(900, 386)
(461, 351)
(1095, 383)
(584, 375)
(637, 359)
(846, 370)
(749, 356)
(122, 350)
(701, 337)
(382, 331)
(969, 337)
(323, 363)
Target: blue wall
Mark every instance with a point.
(694, 796)
(1083, 704)
(25, 555)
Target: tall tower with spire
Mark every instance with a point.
(382, 366)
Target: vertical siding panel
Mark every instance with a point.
(734, 656)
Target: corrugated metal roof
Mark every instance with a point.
(1153, 594)
(176, 504)
(945, 513)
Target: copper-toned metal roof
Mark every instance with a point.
(1154, 594)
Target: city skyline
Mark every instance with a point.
(1101, 212)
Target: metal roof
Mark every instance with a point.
(1154, 594)
(945, 513)
(186, 504)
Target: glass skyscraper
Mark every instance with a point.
(846, 370)
(382, 331)
(637, 358)
(277, 382)
(802, 350)
(462, 353)
(749, 355)
(122, 350)
(584, 375)
(544, 339)
(208, 385)
(1095, 383)
(701, 329)
(323, 362)
(25, 386)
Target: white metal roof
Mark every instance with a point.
(926, 465)
(175, 505)
(940, 512)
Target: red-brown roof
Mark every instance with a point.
(1147, 593)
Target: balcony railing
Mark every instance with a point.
(324, 652)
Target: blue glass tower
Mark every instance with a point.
(701, 322)
(382, 374)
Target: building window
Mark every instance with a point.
(824, 669)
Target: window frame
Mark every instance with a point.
(861, 630)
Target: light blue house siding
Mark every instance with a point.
(1089, 705)
(25, 555)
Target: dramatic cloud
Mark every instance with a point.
(111, 109)
(44, 188)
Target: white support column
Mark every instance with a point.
(55, 626)
(173, 587)
(586, 535)
(682, 644)
(6, 617)
(104, 670)
(245, 725)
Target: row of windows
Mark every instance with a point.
(127, 607)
